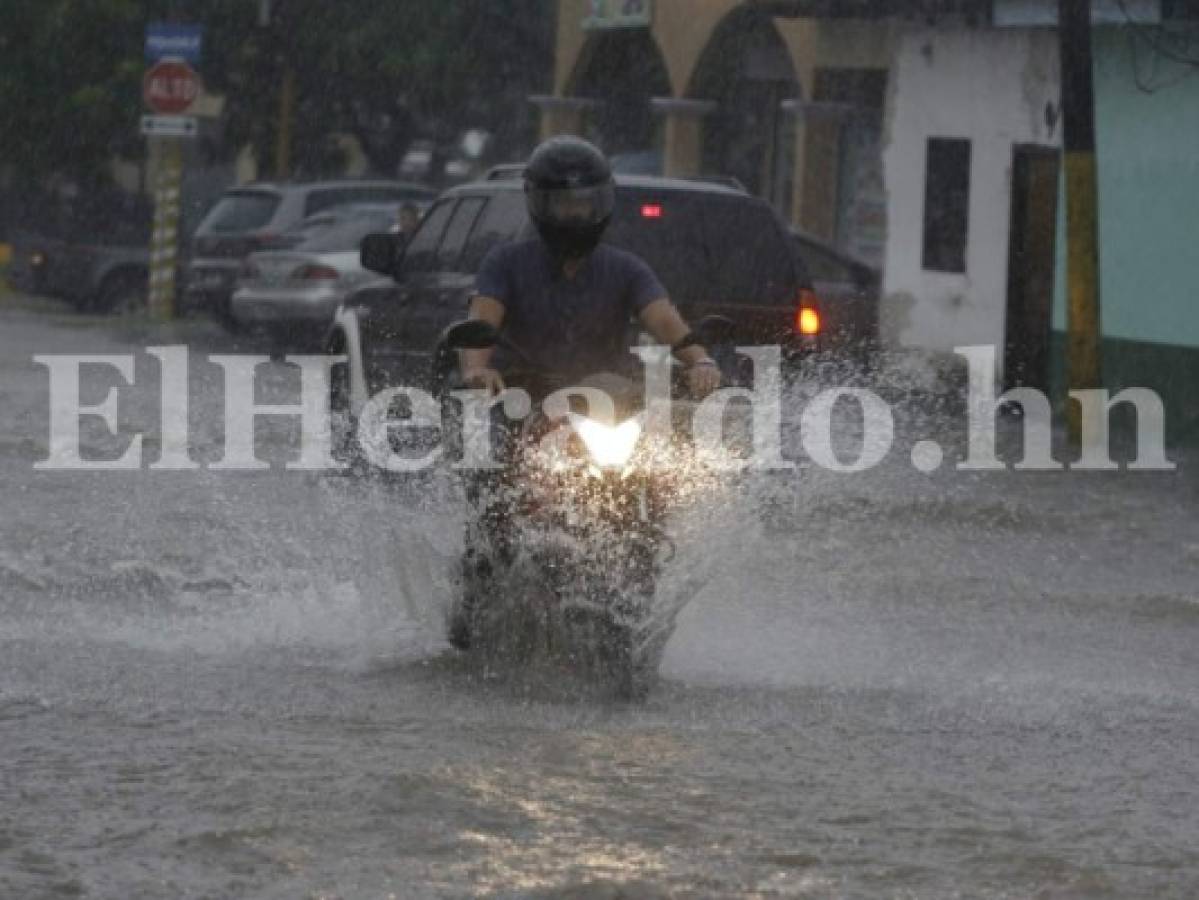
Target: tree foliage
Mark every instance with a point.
(66, 80)
(387, 72)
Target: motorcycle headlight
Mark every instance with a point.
(610, 447)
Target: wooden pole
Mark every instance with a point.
(287, 96)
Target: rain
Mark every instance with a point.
(876, 576)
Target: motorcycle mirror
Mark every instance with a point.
(471, 334)
(380, 253)
(716, 330)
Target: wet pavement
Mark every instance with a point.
(884, 684)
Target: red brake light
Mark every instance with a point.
(651, 210)
(315, 273)
(807, 319)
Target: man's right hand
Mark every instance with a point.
(484, 378)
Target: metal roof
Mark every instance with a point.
(509, 177)
(870, 9)
(334, 183)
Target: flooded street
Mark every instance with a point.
(884, 684)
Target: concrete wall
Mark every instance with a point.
(681, 28)
(568, 46)
(991, 87)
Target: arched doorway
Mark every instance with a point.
(621, 70)
(748, 72)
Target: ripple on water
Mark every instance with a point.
(21, 706)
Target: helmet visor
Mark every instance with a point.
(572, 206)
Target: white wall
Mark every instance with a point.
(990, 86)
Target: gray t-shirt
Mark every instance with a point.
(572, 327)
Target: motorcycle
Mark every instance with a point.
(567, 541)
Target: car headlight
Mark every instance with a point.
(610, 447)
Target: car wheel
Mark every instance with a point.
(124, 293)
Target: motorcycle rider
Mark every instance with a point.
(565, 300)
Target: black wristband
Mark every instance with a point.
(689, 341)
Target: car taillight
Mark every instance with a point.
(807, 319)
(315, 273)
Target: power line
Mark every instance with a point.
(1147, 86)
(1154, 38)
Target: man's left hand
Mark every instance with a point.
(702, 379)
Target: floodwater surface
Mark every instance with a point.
(885, 684)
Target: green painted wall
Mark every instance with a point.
(1148, 151)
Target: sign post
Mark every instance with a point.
(169, 88)
(170, 126)
(165, 40)
(164, 246)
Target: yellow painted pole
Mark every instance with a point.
(1083, 364)
(164, 249)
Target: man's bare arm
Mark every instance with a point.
(663, 321)
(491, 311)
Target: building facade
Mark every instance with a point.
(790, 107)
(925, 139)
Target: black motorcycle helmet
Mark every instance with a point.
(570, 193)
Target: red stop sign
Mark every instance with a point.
(170, 86)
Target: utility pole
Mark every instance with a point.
(287, 99)
(1083, 369)
(287, 88)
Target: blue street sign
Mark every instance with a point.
(180, 41)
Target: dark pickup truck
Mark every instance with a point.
(94, 255)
